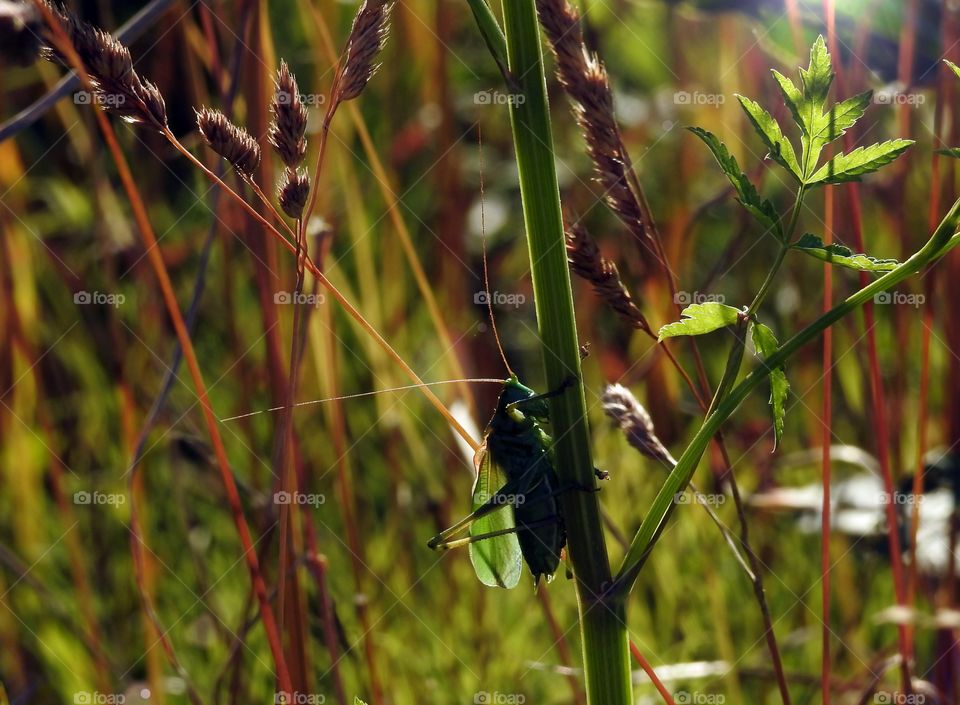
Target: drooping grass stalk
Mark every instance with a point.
(944, 238)
(606, 658)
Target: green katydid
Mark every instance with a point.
(516, 514)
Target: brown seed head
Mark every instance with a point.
(231, 142)
(117, 86)
(621, 406)
(584, 78)
(293, 191)
(587, 262)
(367, 37)
(289, 122)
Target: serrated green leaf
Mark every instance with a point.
(862, 160)
(951, 152)
(818, 75)
(358, 701)
(760, 208)
(766, 344)
(781, 151)
(792, 97)
(840, 118)
(698, 319)
(842, 256)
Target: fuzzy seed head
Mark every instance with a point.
(293, 192)
(367, 37)
(117, 86)
(231, 142)
(289, 122)
(587, 262)
(624, 408)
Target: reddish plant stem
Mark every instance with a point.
(876, 383)
(160, 270)
(651, 674)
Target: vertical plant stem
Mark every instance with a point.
(877, 394)
(606, 659)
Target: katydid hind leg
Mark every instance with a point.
(467, 540)
(506, 496)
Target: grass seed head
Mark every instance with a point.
(231, 142)
(293, 191)
(289, 122)
(624, 408)
(584, 78)
(367, 37)
(118, 88)
(587, 262)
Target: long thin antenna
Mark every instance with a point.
(478, 380)
(486, 269)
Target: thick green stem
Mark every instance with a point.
(606, 658)
(944, 238)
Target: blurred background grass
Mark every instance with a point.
(77, 380)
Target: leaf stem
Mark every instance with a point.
(944, 238)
